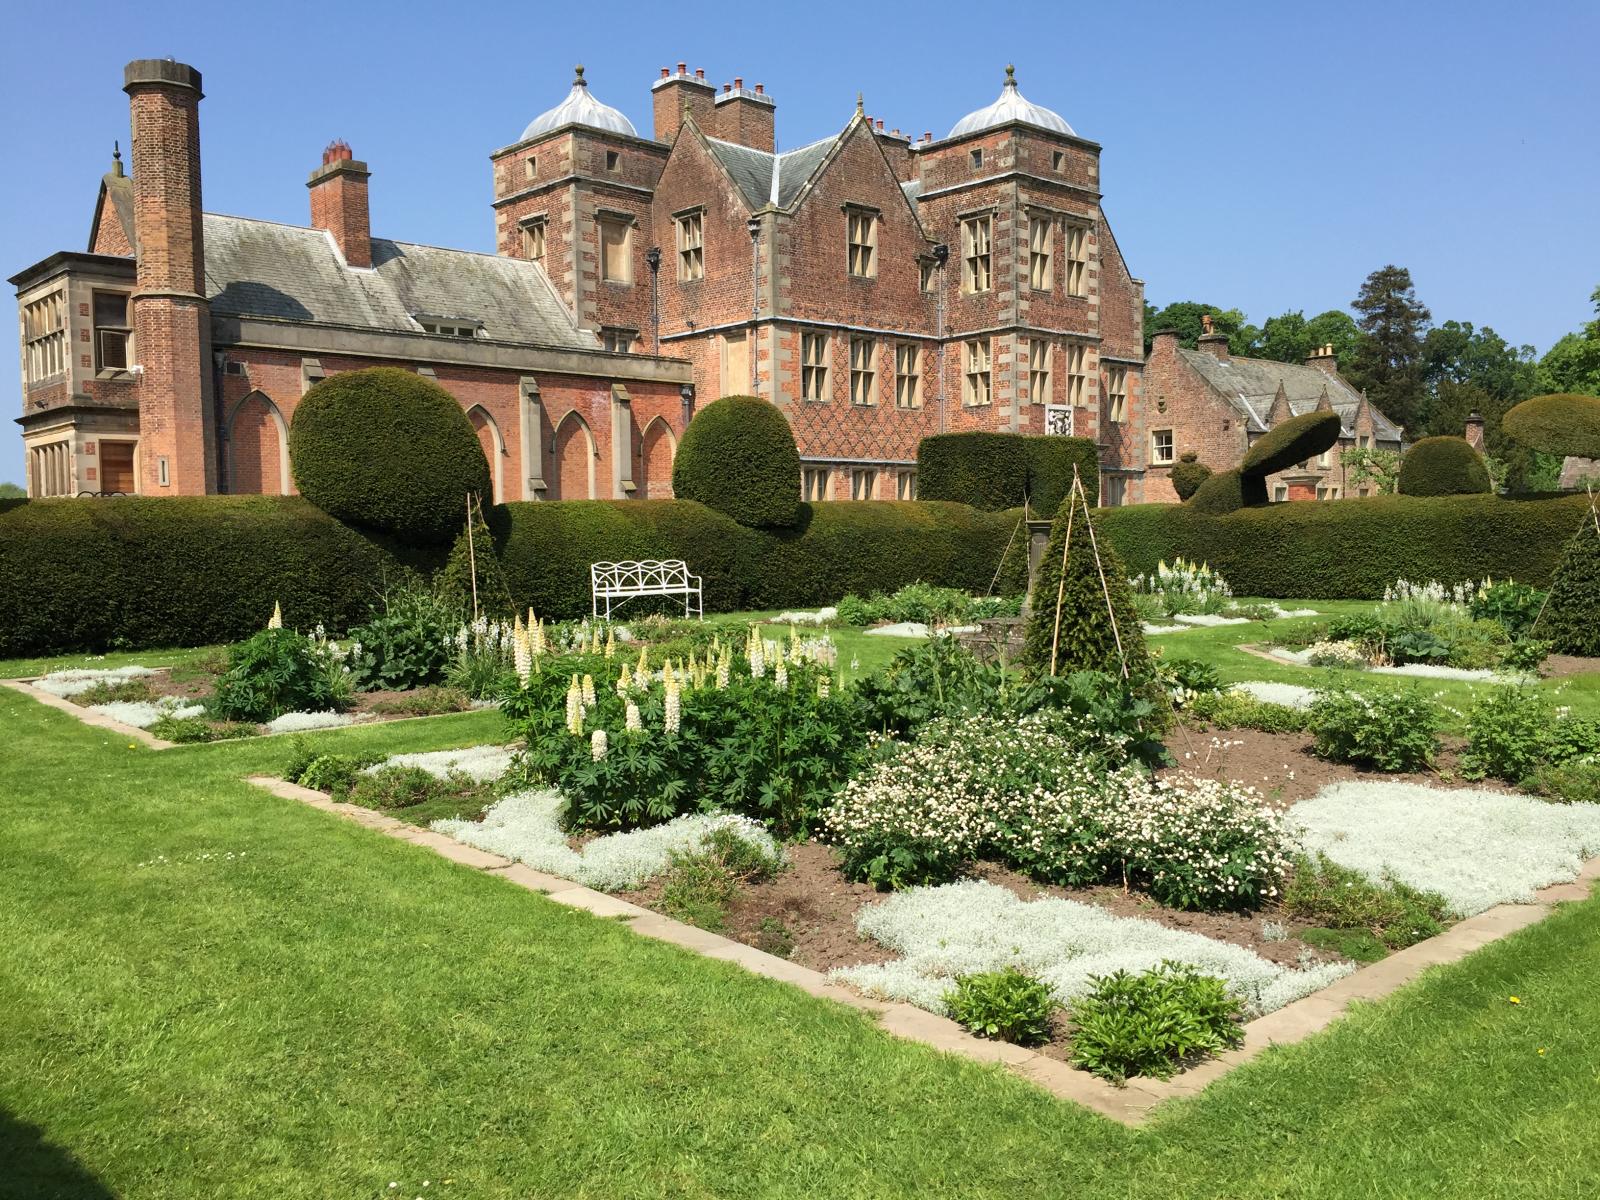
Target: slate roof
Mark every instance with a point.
(753, 170)
(286, 272)
(1250, 384)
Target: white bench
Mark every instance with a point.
(615, 582)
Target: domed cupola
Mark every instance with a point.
(580, 108)
(1011, 106)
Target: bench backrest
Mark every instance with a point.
(650, 573)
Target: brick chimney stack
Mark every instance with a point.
(339, 202)
(1164, 342)
(673, 93)
(171, 316)
(1474, 431)
(746, 117)
(1212, 342)
(1322, 358)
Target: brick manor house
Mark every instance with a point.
(876, 287)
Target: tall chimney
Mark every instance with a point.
(746, 117)
(339, 202)
(1163, 342)
(1322, 358)
(1212, 342)
(171, 316)
(1474, 432)
(673, 93)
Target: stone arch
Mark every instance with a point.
(494, 447)
(258, 447)
(657, 448)
(572, 455)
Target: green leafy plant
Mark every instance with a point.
(1338, 898)
(738, 457)
(1574, 782)
(186, 730)
(405, 645)
(1513, 731)
(125, 691)
(1371, 466)
(1513, 606)
(1153, 1023)
(1392, 731)
(1008, 1005)
(274, 672)
(425, 702)
(699, 885)
(1240, 710)
(335, 774)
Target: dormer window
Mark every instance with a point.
(459, 329)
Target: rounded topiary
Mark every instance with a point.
(738, 456)
(1187, 475)
(1085, 640)
(388, 450)
(1294, 441)
(1226, 491)
(1442, 466)
(1560, 424)
(1568, 621)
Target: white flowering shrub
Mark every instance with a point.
(301, 722)
(1346, 654)
(67, 684)
(1476, 848)
(1024, 793)
(944, 933)
(527, 826)
(481, 764)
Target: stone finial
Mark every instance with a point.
(116, 159)
(1011, 75)
(578, 80)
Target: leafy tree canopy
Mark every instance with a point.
(1389, 364)
(1184, 316)
(1291, 337)
(1572, 365)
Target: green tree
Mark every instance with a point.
(1455, 352)
(1292, 337)
(1572, 365)
(1185, 317)
(1389, 364)
(11, 491)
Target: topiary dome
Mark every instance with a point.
(738, 456)
(1558, 424)
(1296, 440)
(1442, 466)
(388, 450)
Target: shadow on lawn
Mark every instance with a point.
(36, 1170)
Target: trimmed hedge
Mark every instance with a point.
(182, 571)
(994, 471)
(1560, 424)
(738, 457)
(1443, 466)
(1353, 549)
(1228, 491)
(388, 450)
(1187, 475)
(1294, 441)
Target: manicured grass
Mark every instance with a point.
(329, 1010)
(1218, 645)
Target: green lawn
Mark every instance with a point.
(329, 1010)
(1218, 645)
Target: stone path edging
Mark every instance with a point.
(1132, 1105)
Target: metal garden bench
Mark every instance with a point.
(616, 582)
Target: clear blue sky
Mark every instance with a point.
(1257, 155)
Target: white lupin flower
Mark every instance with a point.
(724, 669)
(611, 642)
(597, 744)
(673, 714)
(625, 680)
(758, 657)
(575, 707)
(822, 687)
(631, 720)
(275, 621)
(522, 653)
(780, 676)
(588, 691)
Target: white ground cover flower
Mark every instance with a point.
(69, 683)
(1290, 694)
(142, 714)
(959, 929)
(301, 722)
(481, 764)
(1477, 848)
(1158, 629)
(821, 617)
(1336, 654)
(1209, 619)
(1279, 611)
(900, 629)
(526, 826)
(1430, 671)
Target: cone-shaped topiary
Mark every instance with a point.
(1442, 466)
(477, 551)
(1187, 475)
(738, 456)
(1226, 491)
(1295, 440)
(1012, 578)
(389, 450)
(1558, 424)
(1085, 640)
(1569, 620)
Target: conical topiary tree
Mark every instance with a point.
(474, 551)
(1569, 619)
(1082, 578)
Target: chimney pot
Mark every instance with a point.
(761, 89)
(738, 83)
(665, 73)
(700, 74)
(682, 68)
(727, 88)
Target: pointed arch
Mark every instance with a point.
(572, 458)
(494, 447)
(658, 447)
(258, 447)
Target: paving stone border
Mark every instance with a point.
(1132, 1104)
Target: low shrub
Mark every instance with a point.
(925, 603)
(1008, 1005)
(1336, 897)
(335, 774)
(188, 730)
(1574, 782)
(1187, 475)
(1153, 1023)
(279, 671)
(1389, 730)
(1229, 709)
(1186, 678)
(115, 691)
(1513, 731)
(699, 884)
(1227, 491)
(1184, 587)
(424, 702)
(417, 795)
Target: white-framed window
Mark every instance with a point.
(616, 249)
(1325, 458)
(1328, 491)
(814, 483)
(863, 483)
(927, 274)
(691, 246)
(905, 485)
(1117, 395)
(862, 234)
(813, 366)
(976, 389)
(976, 256)
(1040, 277)
(459, 329)
(1077, 375)
(908, 376)
(1162, 450)
(44, 336)
(113, 329)
(1039, 371)
(862, 375)
(1280, 493)
(617, 341)
(533, 240)
(1076, 246)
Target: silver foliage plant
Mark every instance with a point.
(481, 764)
(142, 714)
(526, 826)
(70, 683)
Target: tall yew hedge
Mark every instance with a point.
(994, 471)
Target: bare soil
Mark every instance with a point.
(1559, 666)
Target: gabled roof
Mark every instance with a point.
(1251, 384)
(290, 273)
(764, 178)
